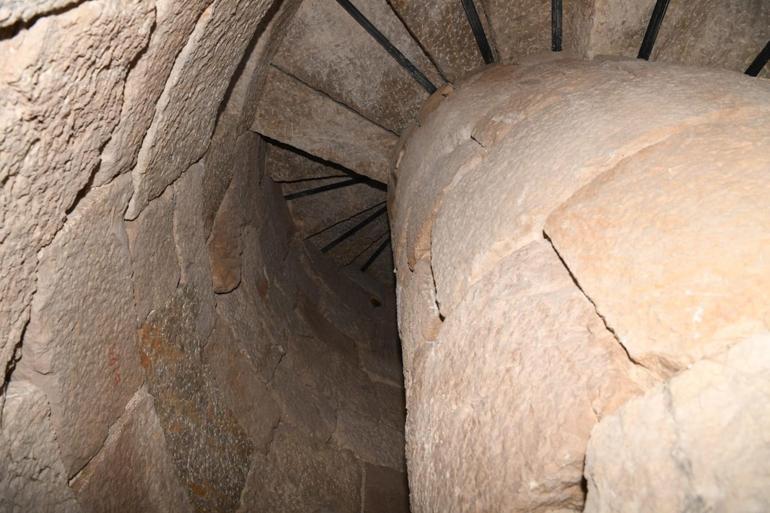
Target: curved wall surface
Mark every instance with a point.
(581, 252)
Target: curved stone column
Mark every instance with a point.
(569, 235)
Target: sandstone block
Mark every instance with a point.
(555, 370)
(153, 255)
(186, 112)
(32, 476)
(80, 347)
(133, 471)
(24, 11)
(695, 443)
(50, 121)
(224, 244)
(295, 114)
(676, 266)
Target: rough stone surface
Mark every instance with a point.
(153, 255)
(295, 114)
(174, 21)
(676, 268)
(724, 34)
(299, 475)
(242, 385)
(557, 141)
(324, 47)
(25, 11)
(618, 27)
(696, 443)
(133, 471)
(224, 244)
(519, 27)
(80, 346)
(48, 121)
(443, 30)
(385, 491)
(500, 413)
(210, 450)
(185, 114)
(191, 250)
(32, 476)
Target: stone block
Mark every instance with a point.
(32, 476)
(80, 346)
(386, 491)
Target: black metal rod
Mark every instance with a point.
(322, 188)
(656, 20)
(353, 230)
(394, 52)
(478, 31)
(760, 62)
(557, 9)
(377, 253)
(327, 228)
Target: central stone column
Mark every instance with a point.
(575, 242)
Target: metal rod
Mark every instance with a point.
(322, 188)
(377, 253)
(478, 31)
(388, 46)
(557, 9)
(353, 230)
(760, 62)
(367, 209)
(656, 20)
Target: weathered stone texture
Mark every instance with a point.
(618, 27)
(519, 27)
(48, 121)
(32, 476)
(327, 49)
(187, 109)
(80, 346)
(443, 30)
(209, 448)
(25, 11)
(385, 491)
(299, 475)
(295, 114)
(677, 267)
(133, 471)
(224, 244)
(506, 400)
(174, 21)
(153, 255)
(696, 443)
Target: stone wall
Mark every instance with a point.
(580, 254)
(168, 343)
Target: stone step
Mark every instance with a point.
(328, 50)
(295, 114)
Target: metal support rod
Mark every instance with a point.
(353, 230)
(760, 62)
(394, 52)
(557, 9)
(377, 253)
(656, 20)
(478, 31)
(322, 188)
(327, 228)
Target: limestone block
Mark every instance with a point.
(295, 114)
(696, 443)
(554, 370)
(25, 11)
(677, 267)
(386, 491)
(133, 471)
(51, 121)
(618, 27)
(242, 386)
(325, 49)
(174, 21)
(583, 127)
(192, 253)
(443, 30)
(32, 476)
(210, 450)
(80, 346)
(299, 475)
(153, 255)
(713, 33)
(519, 27)
(186, 112)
